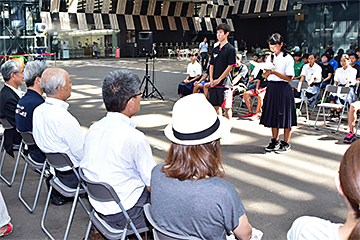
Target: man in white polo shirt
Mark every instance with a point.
(115, 152)
(55, 129)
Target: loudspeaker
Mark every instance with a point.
(145, 43)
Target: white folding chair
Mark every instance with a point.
(161, 234)
(7, 126)
(304, 85)
(60, 160)
(104, 192)
(323, 105)
(27, 139)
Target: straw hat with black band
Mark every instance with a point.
(195, 122)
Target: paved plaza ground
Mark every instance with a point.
(275, 188)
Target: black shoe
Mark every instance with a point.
(273, 145)
(58, 200)
(284, 147)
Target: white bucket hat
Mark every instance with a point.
(194, 122)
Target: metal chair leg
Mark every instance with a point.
(88, 230)
(2, 142)
(31, 209)
(44, 214)
(72, 213)
(9, 183)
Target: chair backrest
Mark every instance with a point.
(295, 84)
(336, 89)
(5, 123)
(59, 160)
(28, 138)
(100, 191)
(161, 234)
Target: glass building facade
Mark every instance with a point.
(323, 23)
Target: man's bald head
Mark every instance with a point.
(51, 79)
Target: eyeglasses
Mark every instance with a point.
(134, 96)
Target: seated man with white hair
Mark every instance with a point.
(55, 129)
(12, 73)
(26, 105)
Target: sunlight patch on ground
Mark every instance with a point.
(87, 106)
(313, 141)
(151, 120)
(75, 95)
(159, 144)
(145, 102)
(296, 168)
(88, 89)
(236, 138)
(269, 185)
(248, 126)
(261, 207)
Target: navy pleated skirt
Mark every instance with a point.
(279, 109)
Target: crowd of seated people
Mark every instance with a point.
(193, 163)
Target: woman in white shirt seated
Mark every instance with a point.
(347, 181)
(344, 77)
(311, 73)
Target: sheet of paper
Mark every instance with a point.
(299, 86)
(339, 90)
(262, 66)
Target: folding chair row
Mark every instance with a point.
(27, 139)
(104, 192)
(330, 89)
(7, 126)
(60, 160)
(297, 86)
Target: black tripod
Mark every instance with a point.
(146, 80)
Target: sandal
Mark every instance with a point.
(9, 229)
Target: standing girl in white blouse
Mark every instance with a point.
(279, 106)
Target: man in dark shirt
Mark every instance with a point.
(327, 70)
(12, 73)
(27, 104)
(222, 61)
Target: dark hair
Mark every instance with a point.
(327, 56)
(223, 26)
(276, 38)
(194, 161)
(330, 52)
(305, 55)
(350, 182)
(312, 54)
(357, 49)
(256, 54)
(297, 54)
(340, 52)
(261, 56)
(354, 54)
(118, 87)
